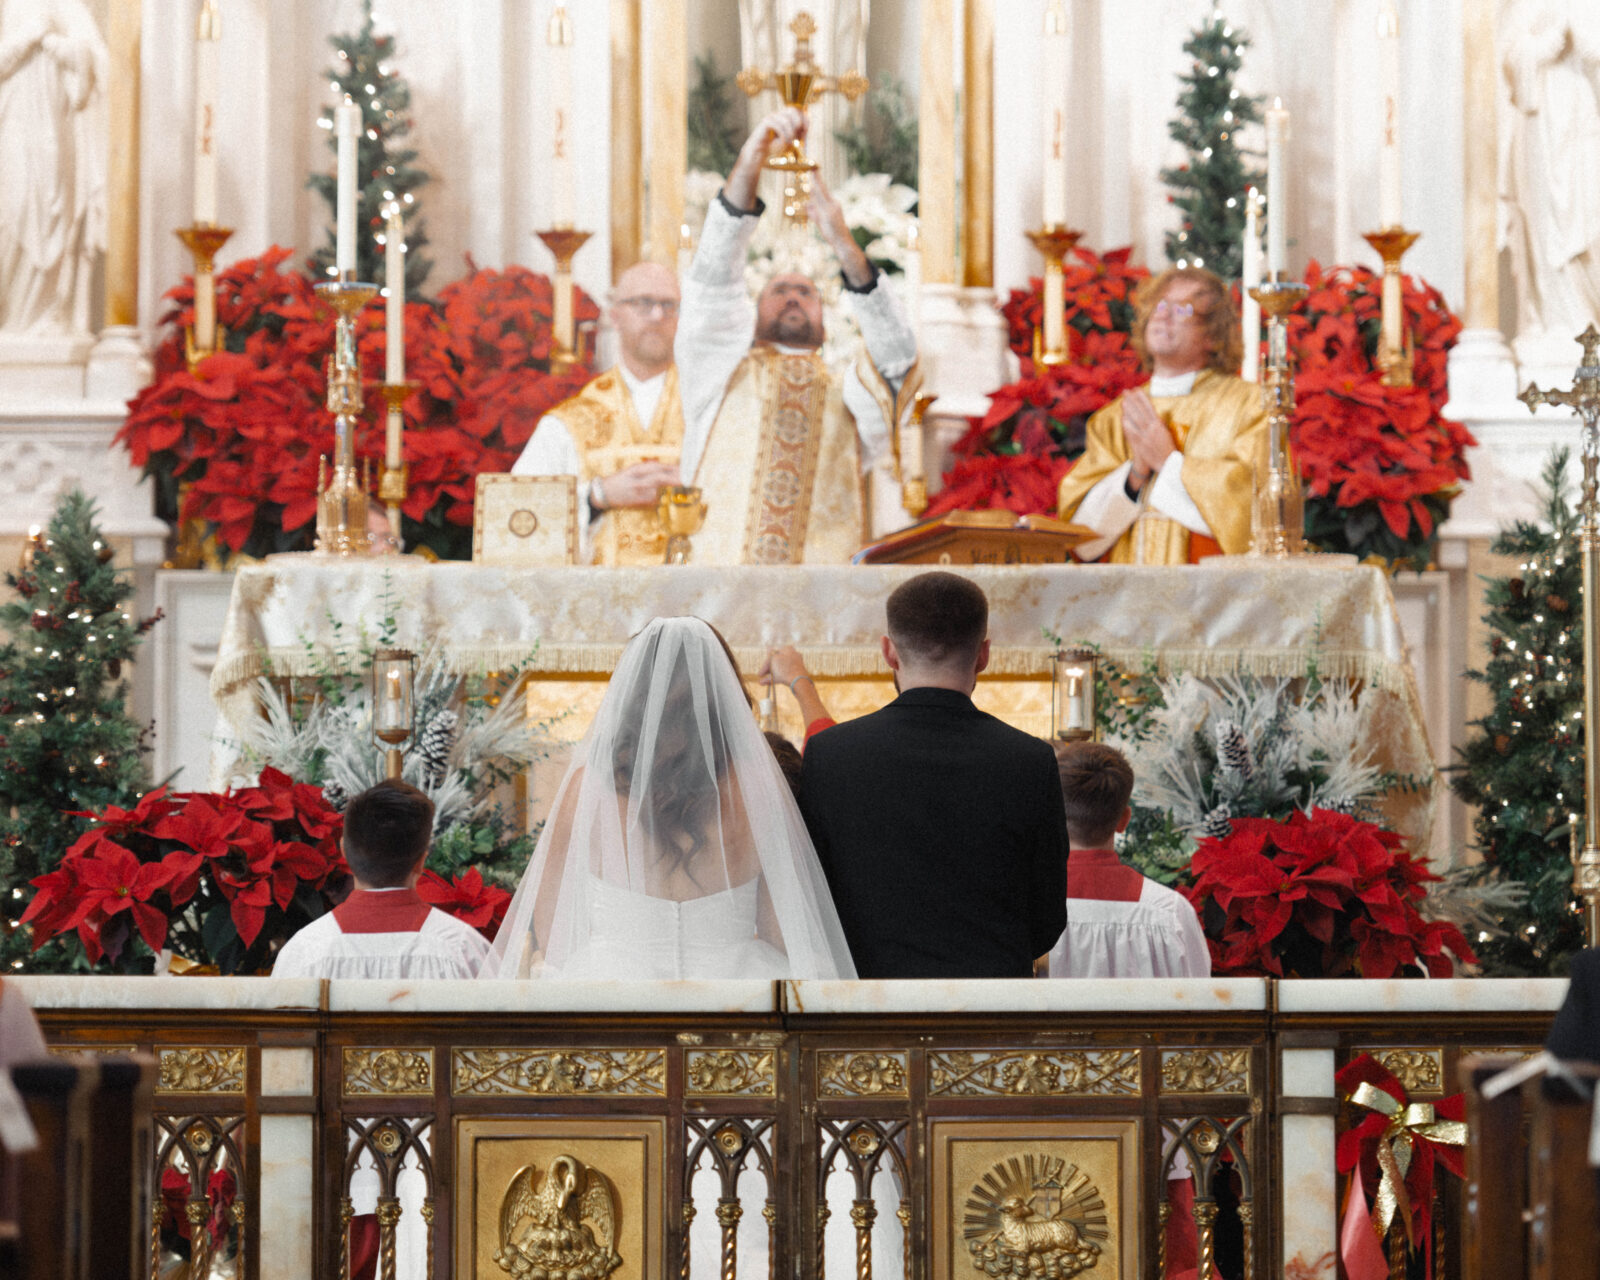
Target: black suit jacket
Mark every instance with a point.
(1576, 1032)
(941, 832)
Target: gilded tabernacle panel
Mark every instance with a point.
(560, 1197)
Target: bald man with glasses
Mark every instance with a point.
(1168, 468)
(621, 436)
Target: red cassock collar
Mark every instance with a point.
(382, 911)
(1096, 873)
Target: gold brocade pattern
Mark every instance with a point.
(609, 437)
(1221, 427)
(780, 499)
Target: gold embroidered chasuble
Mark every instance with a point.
(1221, 429)
(781, 471)
(609, 436)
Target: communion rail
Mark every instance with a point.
(924, 1130)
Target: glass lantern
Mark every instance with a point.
(393, 704)
(1072, 687)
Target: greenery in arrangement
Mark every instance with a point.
(714, 133)
(386, 167)
(66, 739)
(884, 140)
(1210, 187)
(1522, 766)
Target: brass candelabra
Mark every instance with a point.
(342, 497)
(1050, 339)
(1584, 399)
(1277, 512)
(1394, 349)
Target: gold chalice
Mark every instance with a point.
(681, 511)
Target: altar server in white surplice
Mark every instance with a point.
(1120, 924)
(384, 929)
(778, 442)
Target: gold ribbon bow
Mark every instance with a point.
(1407, 1123)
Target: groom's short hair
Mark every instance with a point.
(938, 619)
(1096, 784)
(387, 829)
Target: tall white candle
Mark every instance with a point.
(1389, 204)
(347, 128)
(394, 279)
(1057, 53)
(1251, 276)
(1277, 200)
(914, 278)
(1055, 318)
(562, 182)
(207, 33)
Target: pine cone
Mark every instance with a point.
(1218, 824)
(1233, 751)
(336, 796)
(433, 746)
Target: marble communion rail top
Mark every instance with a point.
(861, 998)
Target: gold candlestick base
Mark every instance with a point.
(393, 480)
(342, 496)
(1277, 512)
(913, 480)
(1394, 349)
(681, 511)
(204, 240)
(1054, 243)
(563, 243)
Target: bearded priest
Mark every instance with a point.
(1168, 468)
(778, 442)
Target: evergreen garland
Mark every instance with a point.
(1523, 765)
(714, 133)
(1212, 186)
(66, 740)
(385, 167)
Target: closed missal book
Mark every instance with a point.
(525, 520)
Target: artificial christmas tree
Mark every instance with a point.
(1523, 766)
(1211, 188)
(66, 740)
(386, 169)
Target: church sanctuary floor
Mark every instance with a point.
(914, 1111)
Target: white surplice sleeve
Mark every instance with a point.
(551, 451)
(1109, 511)
(1171, 499)
(715, 325)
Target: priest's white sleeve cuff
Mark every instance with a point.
(1109, 511)
(1171, 499)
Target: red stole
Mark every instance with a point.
(382, 911)
(1096, 873)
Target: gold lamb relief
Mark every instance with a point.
(559, 1225)
(1035, 1216)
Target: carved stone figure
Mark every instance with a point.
(1550, 164)
(53, 129)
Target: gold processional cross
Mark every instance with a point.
(1584, 398)
(799, 84)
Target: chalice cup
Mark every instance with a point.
(681, 511)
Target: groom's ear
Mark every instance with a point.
(982, 663)
(891, 655)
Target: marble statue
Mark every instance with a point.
(53, 129)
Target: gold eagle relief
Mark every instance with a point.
(1037, 1217)
(561, 1226)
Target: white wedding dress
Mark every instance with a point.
(674, 849)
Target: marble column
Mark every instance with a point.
(627, 136)
(668, 142)
(977, 132)
(936, 160)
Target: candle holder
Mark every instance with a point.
(911, 474)
(392, 481)
(1073, 673)
(205, 336)
(563, 243)
(681, 511)
(394, 709)
(1584, 399)
(1277, 513)
(342, 498)
(1054, 243)
(1394, 350)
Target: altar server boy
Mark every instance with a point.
(1120, 924)
(384, 929)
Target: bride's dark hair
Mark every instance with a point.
(684, 795)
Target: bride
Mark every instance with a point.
(674, 848)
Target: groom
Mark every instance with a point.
(939, 827)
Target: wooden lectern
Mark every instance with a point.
(979, 537)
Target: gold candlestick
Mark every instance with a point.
(1584, 399)
(563, 243)
(1050, 343)
(799, 84)
(392, 481)
(342, 498)
(1277, 513)
(912, 474)
(681, 511)
(1394, 350)
(205, 337)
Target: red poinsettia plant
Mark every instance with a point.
(236, 442)
(1381, 464)
(1321, 895)
(217, 878)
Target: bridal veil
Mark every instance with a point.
(674, 848)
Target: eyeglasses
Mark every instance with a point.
(644, 306)
(1182, 310)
